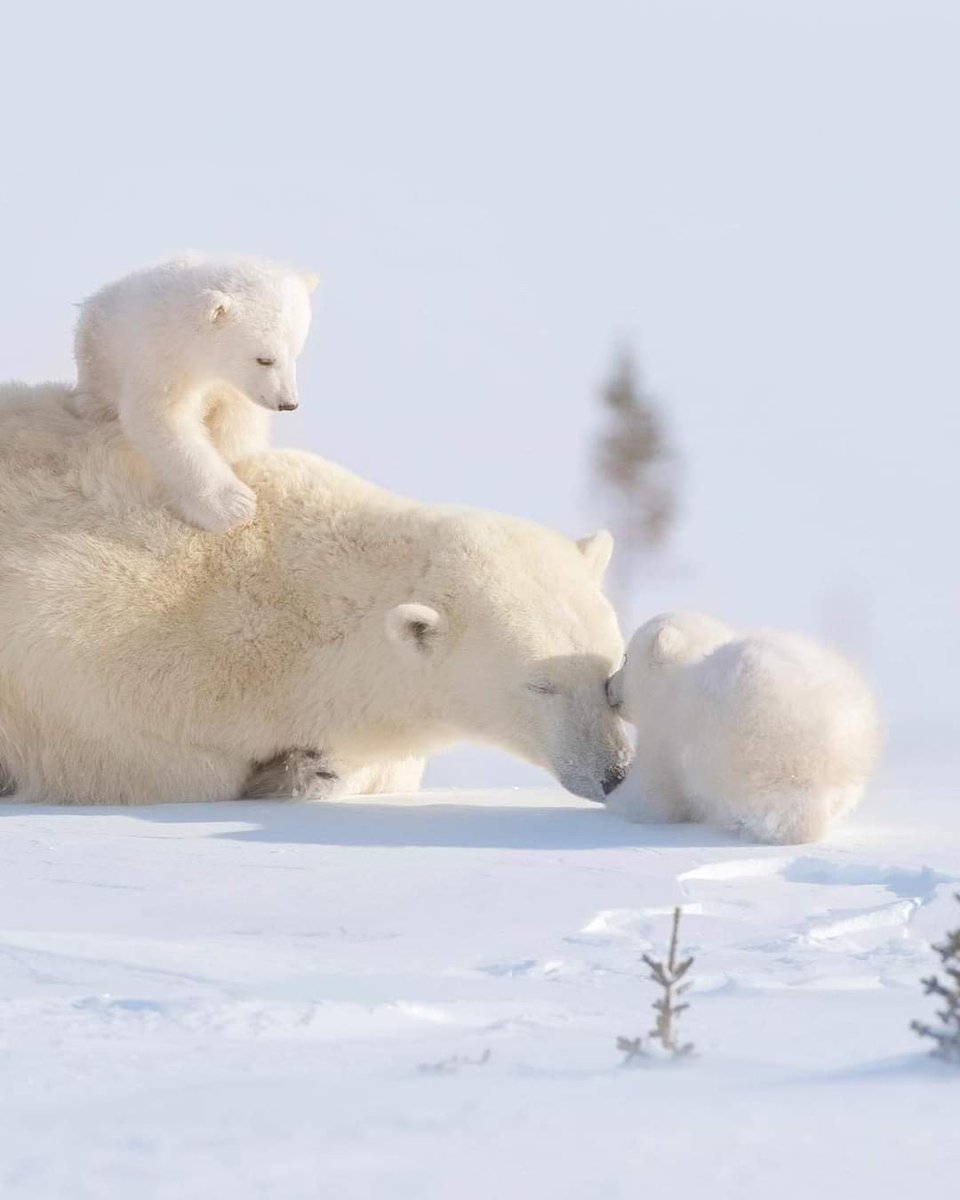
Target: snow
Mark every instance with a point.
(421, 995)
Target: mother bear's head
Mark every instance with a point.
(509, 640)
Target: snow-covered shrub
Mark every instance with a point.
(668, 977)
(946, 1038)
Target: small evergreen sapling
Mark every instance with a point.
(668, 976)
(946, 1038)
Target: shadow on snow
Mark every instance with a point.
(362, 822)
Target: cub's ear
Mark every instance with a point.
(667, 644)
(597, 549)
(415, 628)
(310, 280)
(217, 307)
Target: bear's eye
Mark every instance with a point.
(543, 687)
(266, 362)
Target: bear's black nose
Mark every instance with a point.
(287, 406)
(613, 778)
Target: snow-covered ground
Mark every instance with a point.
(420, 997)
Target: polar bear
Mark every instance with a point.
(141, 660)
(193, 354)
(772, 734)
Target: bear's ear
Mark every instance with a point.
(667, 644)
(415, 628)
(310, 280)
(597, 549)
(216, 307)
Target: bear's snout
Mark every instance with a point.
(613, 778)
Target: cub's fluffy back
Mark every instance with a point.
(791, 709)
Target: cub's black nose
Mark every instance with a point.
(613, 778)
(287, 406)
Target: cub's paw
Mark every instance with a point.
(230, 506)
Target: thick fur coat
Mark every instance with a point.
(142, 660)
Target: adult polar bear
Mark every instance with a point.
(141, 660)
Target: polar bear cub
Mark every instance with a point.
(191, 355)
(773, 734)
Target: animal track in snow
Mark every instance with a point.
(511, 970)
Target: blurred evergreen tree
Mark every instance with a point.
(636, 469)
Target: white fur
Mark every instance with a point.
(173, 349)
(143, 661)
(772, 734)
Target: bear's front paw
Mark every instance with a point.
(298, 774)
(232, 504)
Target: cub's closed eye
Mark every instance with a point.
(543, 687)
(266, 362)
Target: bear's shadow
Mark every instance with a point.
(422, 824)
(468, 826)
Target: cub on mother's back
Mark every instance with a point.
(192, 354)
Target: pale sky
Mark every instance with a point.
(761, 197)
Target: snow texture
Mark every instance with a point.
(421, 996)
